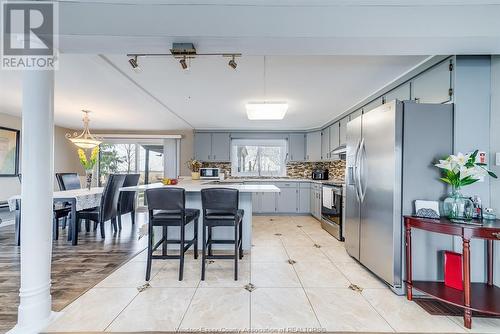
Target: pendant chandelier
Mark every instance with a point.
(85, 139)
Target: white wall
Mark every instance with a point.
(65, 157)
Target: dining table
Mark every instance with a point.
(76, 199)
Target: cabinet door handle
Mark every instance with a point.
(215, 157)
(209, 157)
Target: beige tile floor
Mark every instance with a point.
(311, 294)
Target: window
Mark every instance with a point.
(145, 159)
(258, 157)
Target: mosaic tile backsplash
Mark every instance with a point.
(299, 170)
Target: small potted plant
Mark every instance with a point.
(88, 164)
(194, 166)
(458, 171)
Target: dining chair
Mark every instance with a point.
(127, 200)
(167, 208)
(68, 181)
(220, 209)
(108, 208)
(60, 210)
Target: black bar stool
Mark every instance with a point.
(167, 207)
(220, 208)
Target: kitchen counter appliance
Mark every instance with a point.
(320, 174)
(209, 173)
(332, 210)
(390, 151)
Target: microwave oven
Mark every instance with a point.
(209, 173)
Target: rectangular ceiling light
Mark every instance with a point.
(266, 110)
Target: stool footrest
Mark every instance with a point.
(220, 257)
(224, 242)
(187, 243)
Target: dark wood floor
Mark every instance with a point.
(74, 269)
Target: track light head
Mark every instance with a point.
(183, 63)
(133, 62)
(232, 63)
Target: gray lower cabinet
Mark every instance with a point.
(304, 198)
(297, 147)
(316, 201)
(294, 197)
(256, 202)
(433, 86)
(268, 203)
(287, 199)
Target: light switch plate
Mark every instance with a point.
(497, 159)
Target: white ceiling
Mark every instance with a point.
(210, 95)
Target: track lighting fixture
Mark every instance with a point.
(232, 63)
(183, 63)
(184, 52)
(133, 62)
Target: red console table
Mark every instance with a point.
(480, 297)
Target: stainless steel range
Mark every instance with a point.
(332, 210)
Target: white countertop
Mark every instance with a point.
(198, 185)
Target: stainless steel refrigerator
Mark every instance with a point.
(390, 151)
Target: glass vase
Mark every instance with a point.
(88, 179)
(458, 207)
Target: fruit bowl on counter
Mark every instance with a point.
(169, 182)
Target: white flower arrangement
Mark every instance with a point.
(462, 169)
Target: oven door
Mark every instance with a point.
(331, 211)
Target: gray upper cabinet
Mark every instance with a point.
(343, 130)
(355, 114)
(372, 105)
(325, 143)
(221, 142)
(401, 93)
(212, 146)
(202, 146)
(313, 146)
(433, 86)
(334, 138)
(297, 147)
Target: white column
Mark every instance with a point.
(34, 311)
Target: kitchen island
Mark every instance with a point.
(193, 201)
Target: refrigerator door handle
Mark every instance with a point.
(362, 176)
(356, 171)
